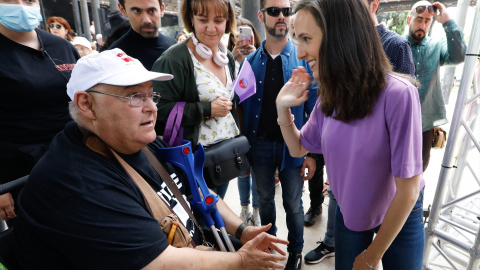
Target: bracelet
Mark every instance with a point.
(293, 119)
(240, 230)
(365, 260)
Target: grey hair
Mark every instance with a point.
(74, 111)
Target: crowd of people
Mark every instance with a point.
(345, 95)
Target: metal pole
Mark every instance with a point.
(95, 16)
(179, 17)
(249, 11)
(76, 17)
(447, 84)
(85, 20)
(43, 15)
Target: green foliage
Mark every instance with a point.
(395, 21)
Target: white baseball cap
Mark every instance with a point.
(112, 67)
(82, 42)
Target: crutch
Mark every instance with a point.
(204, 202)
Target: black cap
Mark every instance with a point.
(114, 20)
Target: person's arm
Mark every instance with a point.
(402, 60)
(397, 213)
(250, 256)
(454, 46)
(295, 92)
(7, 207)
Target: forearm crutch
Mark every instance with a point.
(204, 202)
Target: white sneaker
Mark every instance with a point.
(256, 217)
(245, 213)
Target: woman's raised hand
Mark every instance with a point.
(295, 91)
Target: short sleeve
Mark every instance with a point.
(404, 124)
(310, 134)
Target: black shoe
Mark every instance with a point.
(311, 216)
(294, 261)
(321, 252)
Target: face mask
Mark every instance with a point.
(20, 18)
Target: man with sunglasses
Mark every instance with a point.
(428, 55)
(273, 63)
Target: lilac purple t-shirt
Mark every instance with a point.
(363, 156)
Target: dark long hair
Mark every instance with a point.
(352, 66)
(242, 21)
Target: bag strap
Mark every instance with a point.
(154, 202)
(173, 134)
(171, 185)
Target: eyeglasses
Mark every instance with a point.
(136, 100)
(431, 9)
(52, 25)
(275, 11)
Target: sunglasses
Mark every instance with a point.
(52, 25)
(275, 11)
(431, 9)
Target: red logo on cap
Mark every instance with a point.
(125, 57)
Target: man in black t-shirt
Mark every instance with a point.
(143, 41)
(82, 210)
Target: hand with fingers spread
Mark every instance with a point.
(255, 255)
(221, 106)
(7, 207)
(295, 91)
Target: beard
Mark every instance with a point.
(273, 30)
(418, 35)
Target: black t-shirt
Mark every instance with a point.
(80, 210)
(146, 50)
(34, 100)
(267, 125)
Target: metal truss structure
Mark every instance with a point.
(452, 234)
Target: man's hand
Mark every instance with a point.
(221, 106)
(311, 165)
(255, 254)
(442, 16)
(251, 232)
(7, 207)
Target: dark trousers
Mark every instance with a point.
(315, 184)
(427, 147)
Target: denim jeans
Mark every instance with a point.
(329, 239)
(265, 157)
(406, 251)
(221, 190)
(244, 188)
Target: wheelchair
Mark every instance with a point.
(7, 251)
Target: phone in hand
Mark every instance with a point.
(245, 34)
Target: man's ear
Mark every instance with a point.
(260, 16)
(409, 19)
(122, 10)
(84, 102)
(162, 10)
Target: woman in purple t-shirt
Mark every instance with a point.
(367, 124)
